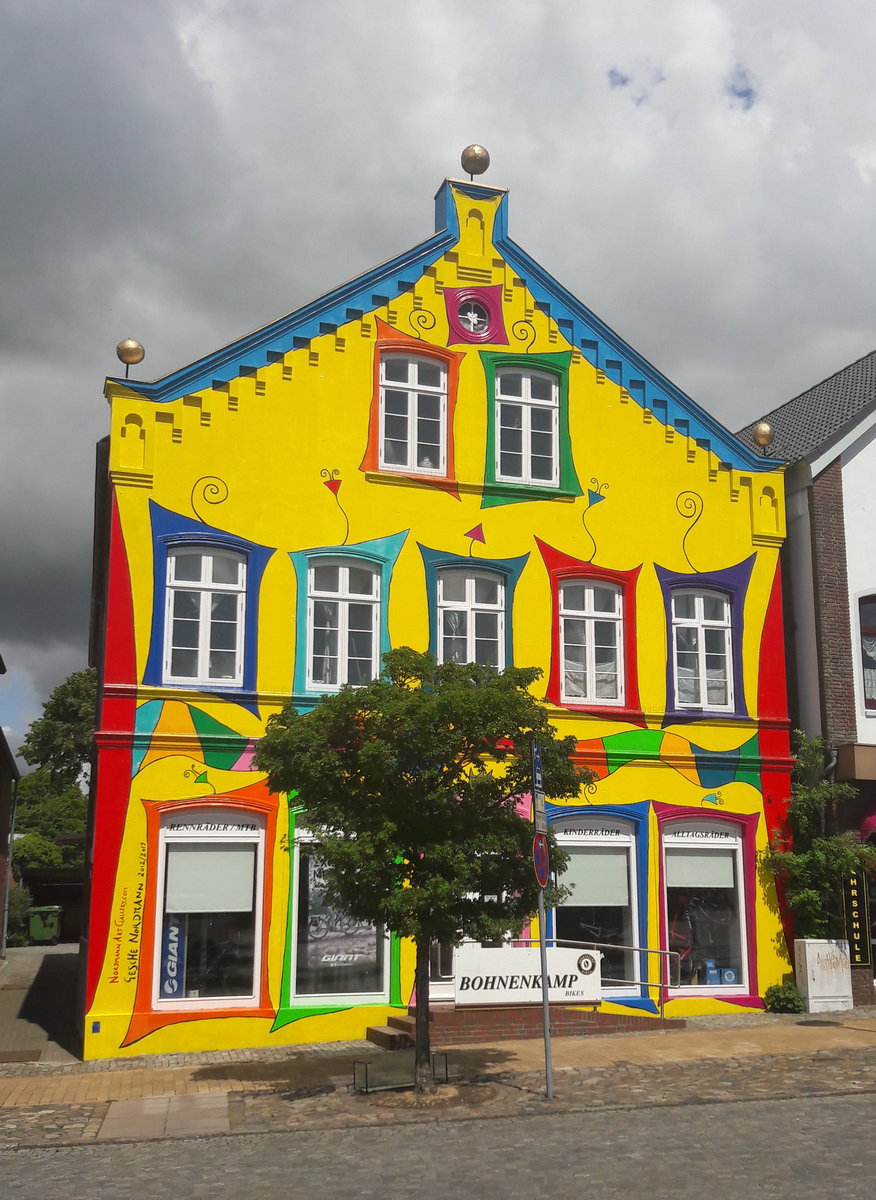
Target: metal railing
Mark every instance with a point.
(662, 985)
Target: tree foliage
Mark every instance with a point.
(817, 859)
(31, 852)
(55, 813)
(410, 785)
(60, 740)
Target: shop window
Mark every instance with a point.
(413, 414)
(867, 620)
(704, 906)
(206, 593)
(602, 906)
(336, 955)
(211, 913)
(471, 613)
(343, 625)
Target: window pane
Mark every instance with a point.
(453, 585)
(395, 428)
(223, 664)
(572, 596)
(702, 905)
(395, 454)
(223, 635)
(541, 420)
(510, 384)
(223, 606)
(429, 407)
(335, 953)
(510, 418)
(542, 468)
(541, 388)
(606, 599)
(361, 581)
(187, 605)
(395, 370)
(511, 466)
(428, 374)
(600, 908)
(206, 955)
(187, 566)
(225, 569)
(486, 591)
(687, 638)
(185, 633)
(714, 608)
(395, 403)
(687, 679)
(684, 605)
(184, 664)
(325, 578)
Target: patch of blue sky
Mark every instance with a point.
(19, 705)
(741, 88)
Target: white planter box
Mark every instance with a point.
(824, 975)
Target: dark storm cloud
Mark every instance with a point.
(182, 171)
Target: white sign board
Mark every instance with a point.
(512, 975)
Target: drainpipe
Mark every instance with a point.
(828, 773)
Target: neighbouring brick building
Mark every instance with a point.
(827, 435)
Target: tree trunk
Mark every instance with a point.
(423, 1079)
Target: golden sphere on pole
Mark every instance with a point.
(130, 351)
(764, 434)
(475, 160)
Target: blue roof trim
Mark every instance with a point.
(604, 349)
(266, 345)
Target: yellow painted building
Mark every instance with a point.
(450, 452)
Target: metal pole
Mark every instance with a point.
(545, 1002)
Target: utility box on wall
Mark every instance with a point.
(824, 975)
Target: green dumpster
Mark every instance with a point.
(44, 924)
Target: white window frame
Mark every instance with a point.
(690, 834)
(470, 606)
(413, 389)
(206, 589)
(700, 623)
(304, 838)
(527, 404)
(589, 830)
(589, 615)
(233, 833)
(344, 598)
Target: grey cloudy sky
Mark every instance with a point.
(699, 172)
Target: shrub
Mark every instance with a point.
(783, 998)
(20, 901)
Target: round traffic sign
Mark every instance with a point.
(541, 859)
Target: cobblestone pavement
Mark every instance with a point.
(804, 1148)
(334, 1106)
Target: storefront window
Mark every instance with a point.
(602, 904)
(209, 941)
(704, 906)
(336, 955)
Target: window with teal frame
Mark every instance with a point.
(376, 558)
(440, 565)
(529, 449)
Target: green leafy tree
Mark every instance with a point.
(813, 864)
(32, 851)
(410, 785)
(56, 813)
(60, 740)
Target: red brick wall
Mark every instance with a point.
(460, 1026)
(833, 626)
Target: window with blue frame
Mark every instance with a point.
(205, 610)
(470, 607)
(341, 615)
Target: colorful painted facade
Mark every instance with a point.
(452, 453)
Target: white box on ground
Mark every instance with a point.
(824, 975)
(510, 974)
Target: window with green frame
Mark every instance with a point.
(529, 451)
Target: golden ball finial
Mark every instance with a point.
(764, 434)
(475, 160)
(130, 351)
